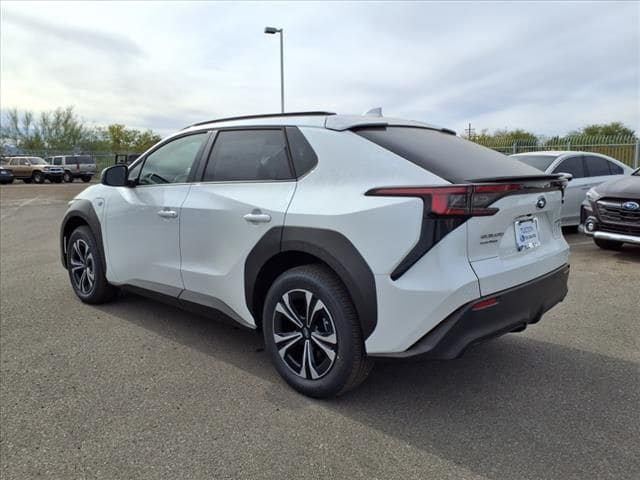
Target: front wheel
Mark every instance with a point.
(38, 177)
(608, 244)
(86, 269)
(67, 177)
(312, 333)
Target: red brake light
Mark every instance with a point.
(455, 200)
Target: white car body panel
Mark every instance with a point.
(142, 247)
(411, 306)
(492, 245)
(215, 238)
(346, 172)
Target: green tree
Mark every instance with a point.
(613, 129)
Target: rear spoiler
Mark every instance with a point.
(556, 180)
(527, 178)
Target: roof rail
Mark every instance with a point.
(264, 115)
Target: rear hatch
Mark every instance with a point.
(522, 240)
(511, 211)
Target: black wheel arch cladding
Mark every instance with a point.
(81, 212)
(332, 248)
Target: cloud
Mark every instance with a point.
(549, 67)
(117, 45)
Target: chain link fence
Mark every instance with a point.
(624, 149)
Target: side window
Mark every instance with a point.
(572, 165)
(24, 161)
(303, 157)
(172, 162)
(615, 169)
(57, 161)
(248, 155)
(596, 166)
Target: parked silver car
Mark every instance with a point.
(588, 170)
(75, 166)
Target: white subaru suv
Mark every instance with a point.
(342, 238)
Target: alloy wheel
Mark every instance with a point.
(304, 334)
(82, 265)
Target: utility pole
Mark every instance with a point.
(470, 131)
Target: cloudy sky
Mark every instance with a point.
(548, 67)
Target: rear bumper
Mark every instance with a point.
(515, 309)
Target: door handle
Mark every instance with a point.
(168, 213)
(256, 217)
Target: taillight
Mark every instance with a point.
(454, 200)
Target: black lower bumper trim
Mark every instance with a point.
(515, 309)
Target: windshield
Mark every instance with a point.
(541, 162)
(37, 161)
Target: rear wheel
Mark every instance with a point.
(38, 177)
(608, 244)
(86, 271)
(67, 177)
(312, 333)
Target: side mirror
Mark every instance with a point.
(568, 176)
(116, 176)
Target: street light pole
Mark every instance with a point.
(273, 30)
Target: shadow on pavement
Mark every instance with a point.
(511, 408)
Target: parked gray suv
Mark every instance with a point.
(75, 166)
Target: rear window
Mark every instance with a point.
(541, 162)
(450, 157)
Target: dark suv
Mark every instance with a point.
(611, 212)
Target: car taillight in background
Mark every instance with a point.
(454, 200)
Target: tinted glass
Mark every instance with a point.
(448, 156)
(541, 162)
(615, 169)
(597, 166)
(172, 162)
(24, 161)
(248, 155)
(572, 165)
(57, 161)
(303, 156)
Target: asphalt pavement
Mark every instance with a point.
(140, 390)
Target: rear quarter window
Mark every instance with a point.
(448, 156)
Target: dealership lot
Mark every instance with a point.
(136, 389)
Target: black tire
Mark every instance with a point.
(67, 177)
(336, 321)
(37, 177)
(86, 179)
(26, 180)
(608, 244)
(84, 260)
